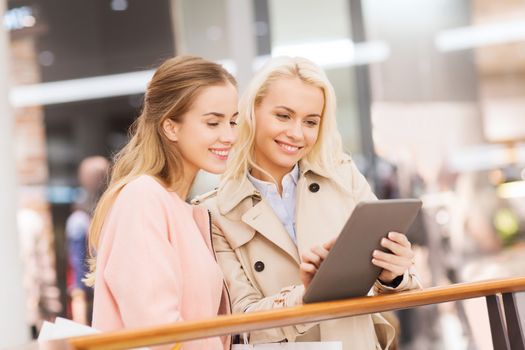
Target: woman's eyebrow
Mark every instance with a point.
(292, 111)
(220, 115)
(217, 114)
(288, 109)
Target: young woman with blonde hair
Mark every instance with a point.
(152, 260)
(286, 194)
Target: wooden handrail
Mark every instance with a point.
(232, 324)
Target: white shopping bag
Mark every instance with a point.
(324, 345)
(63, 328)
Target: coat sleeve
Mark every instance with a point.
(143, 271)
(247, 298)
(410, 281)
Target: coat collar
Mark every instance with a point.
(235, 191)
(259, 215)
(309, 168)
(262, 219)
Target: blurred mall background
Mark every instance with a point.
(431, 104)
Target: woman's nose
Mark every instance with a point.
(228, 135)
(295, 131)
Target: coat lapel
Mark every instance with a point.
(320, 215)
(202, 219)
(262, 218)
(259, 216)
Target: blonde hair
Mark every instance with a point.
(169, 95)
(327, 152)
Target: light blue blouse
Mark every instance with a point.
(283, 206)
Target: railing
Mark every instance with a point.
(506, 329)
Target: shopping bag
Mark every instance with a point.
(63, 328)
(323, 345)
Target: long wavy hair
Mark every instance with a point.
(170, 94)
(327, 152)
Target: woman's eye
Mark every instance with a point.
(212, 124)
(233, 123)
(311, 123)
(283, 116)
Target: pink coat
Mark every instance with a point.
(155, 264)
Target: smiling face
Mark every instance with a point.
(207, 131)
(287, 124)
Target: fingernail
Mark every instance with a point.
(383, 241)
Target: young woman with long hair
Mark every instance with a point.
(152, 261)
(286, 194)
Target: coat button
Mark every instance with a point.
(314, 187)
(259, 266)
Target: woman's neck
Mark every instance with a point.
(183, 187)
(277, 174)
(182, 192)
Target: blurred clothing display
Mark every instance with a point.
(39, 270)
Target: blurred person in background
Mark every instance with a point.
(288, 190)
(92, 178)
(152, 258)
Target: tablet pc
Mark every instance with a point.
(348, 271)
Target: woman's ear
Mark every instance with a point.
(170, 129)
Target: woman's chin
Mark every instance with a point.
(215, 169)
(287, 161)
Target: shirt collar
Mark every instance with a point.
(234, 191)
(265, 186)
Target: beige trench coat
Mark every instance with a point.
(261, 262)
